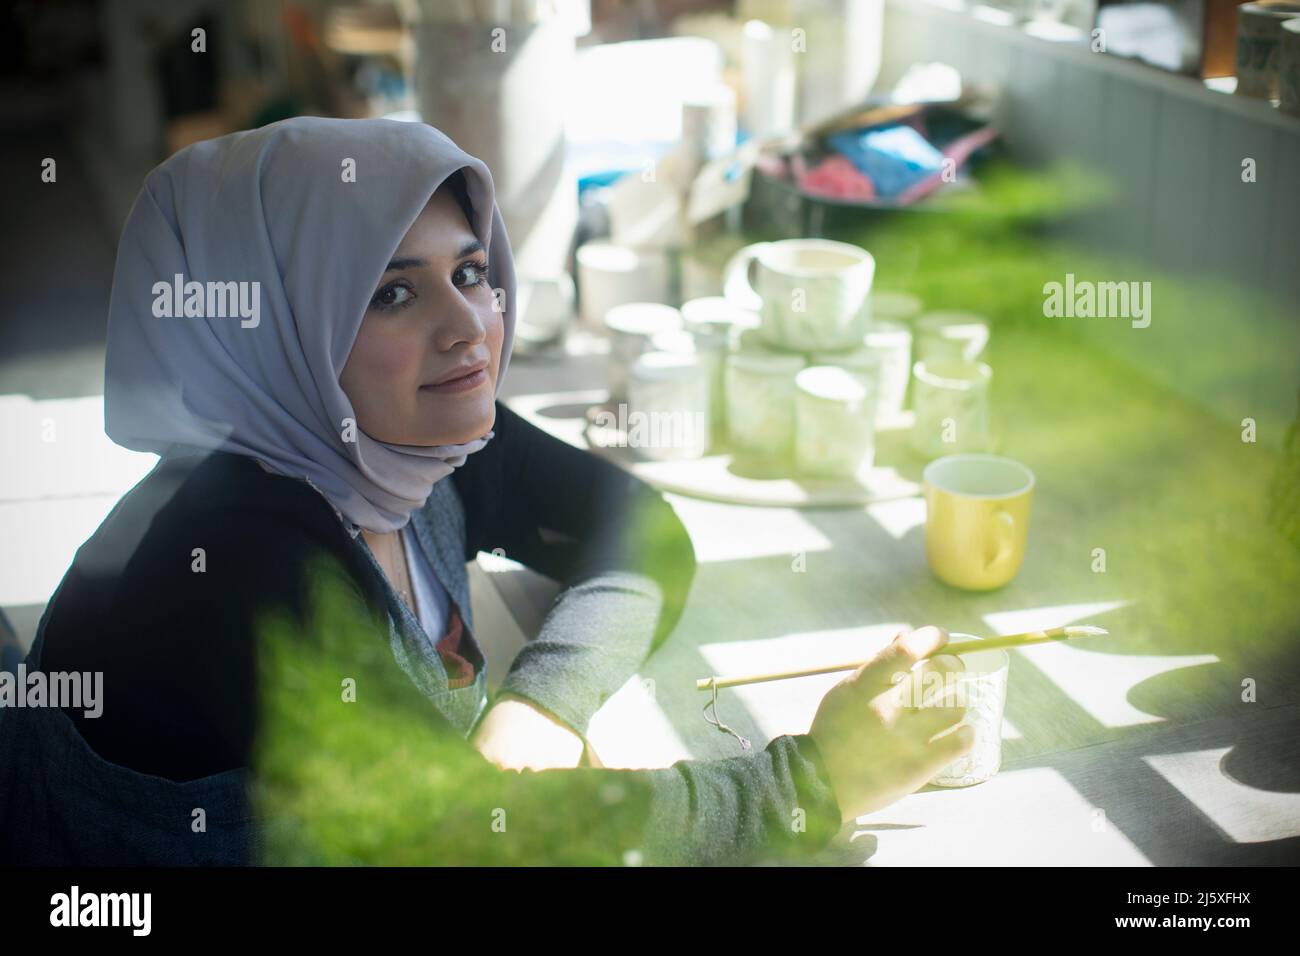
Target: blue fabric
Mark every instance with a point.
(894, 158)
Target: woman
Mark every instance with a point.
(310, 323)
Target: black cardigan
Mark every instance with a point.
(177, 648)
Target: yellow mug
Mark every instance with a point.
(977, 519)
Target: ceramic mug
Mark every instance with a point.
(834, 415)
(977, 519)
(809, 293)
(951, 403)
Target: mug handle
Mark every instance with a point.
(736, 287)
(1005, 526)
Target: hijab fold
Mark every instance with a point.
(304, 216)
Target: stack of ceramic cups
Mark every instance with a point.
(807, 367)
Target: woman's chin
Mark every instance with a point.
(429, 440)
(459, 422)
(444, 422)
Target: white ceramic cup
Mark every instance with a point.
(951, 403)
(885, 364)
(834, 423)
(610, 275)
(668, 405)
(891, 343)
(630, 327)
(810, 293)
(760, 397)
(712, 321)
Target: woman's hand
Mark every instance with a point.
(515, 734)
(876, 746)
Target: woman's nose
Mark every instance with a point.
(457, 320)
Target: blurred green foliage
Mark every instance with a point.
(382, 779)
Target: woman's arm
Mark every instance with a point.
(383, 779)
(618, 548)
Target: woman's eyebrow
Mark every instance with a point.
(411, 262)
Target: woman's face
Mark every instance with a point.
(430, 322)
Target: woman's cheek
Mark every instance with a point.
(393, 359)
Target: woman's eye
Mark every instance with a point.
(392, 296)
(473, 273)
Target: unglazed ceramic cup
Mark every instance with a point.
(834, 423)
(810, 293)
(950, 399)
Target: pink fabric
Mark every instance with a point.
(838, 178)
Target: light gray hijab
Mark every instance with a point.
(260, 376)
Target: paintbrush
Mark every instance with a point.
(988, 644)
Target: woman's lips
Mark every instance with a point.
(463, 384)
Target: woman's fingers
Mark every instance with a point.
(929, 721)
(949, 747)
(878, 675)
(930, 683)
